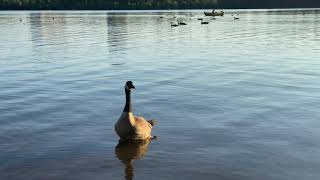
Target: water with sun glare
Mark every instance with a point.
(234, 99)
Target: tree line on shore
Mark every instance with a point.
(151, 4)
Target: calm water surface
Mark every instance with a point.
(235, 100)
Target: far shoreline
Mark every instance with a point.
(162, 10)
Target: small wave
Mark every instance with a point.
(117, 64)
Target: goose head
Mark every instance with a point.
(129, 85)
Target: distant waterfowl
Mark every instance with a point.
(204, 22)
(174, 25)
(181, 23)
(236, 18)
(200, 19)
(130, 127)
(21, 20)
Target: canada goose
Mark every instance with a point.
(236, 18)
(174, 25)
(182, 23)
(130, 127)
(200, 19)
(204, 22)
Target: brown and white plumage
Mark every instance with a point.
(131, 127)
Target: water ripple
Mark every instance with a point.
(239, 99)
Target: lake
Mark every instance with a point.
(234, 99)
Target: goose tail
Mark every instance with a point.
(152, 122)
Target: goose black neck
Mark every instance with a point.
(128, 106)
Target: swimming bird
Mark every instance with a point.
(204, 22)
(200, 19)
(182, 23)
(130, 127)
(174, 25)
(236, 18)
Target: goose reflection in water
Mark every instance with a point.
(128, 151)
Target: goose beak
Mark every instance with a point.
(133, 87)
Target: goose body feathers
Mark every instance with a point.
(130, 127)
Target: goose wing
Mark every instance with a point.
(142, 123)
(142, 126)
